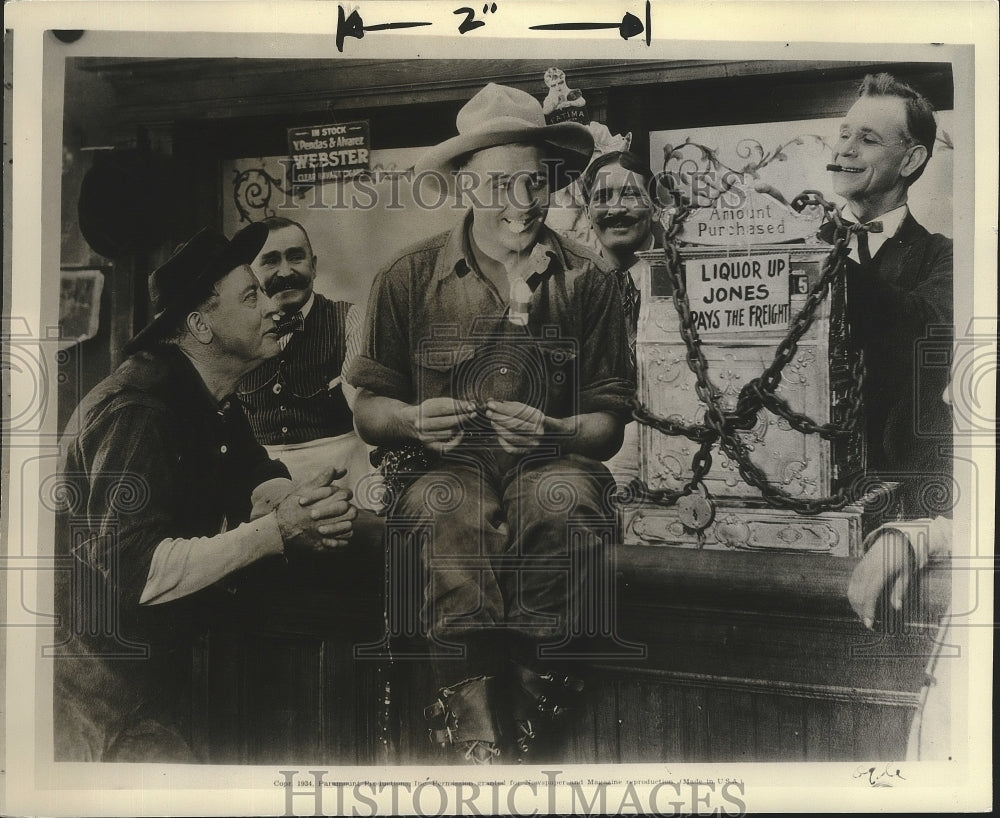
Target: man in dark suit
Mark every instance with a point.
(899, 289)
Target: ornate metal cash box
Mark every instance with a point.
(742, 310)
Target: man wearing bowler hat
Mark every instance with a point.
(495, 378)
(165, 492)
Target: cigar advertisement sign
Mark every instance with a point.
(321, 153)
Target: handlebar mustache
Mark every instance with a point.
(282, 283)
(618, 220)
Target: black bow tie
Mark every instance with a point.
(862, 231)
(867, 227)
(291, 323)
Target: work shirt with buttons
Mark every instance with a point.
(436, 327)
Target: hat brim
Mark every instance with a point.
(242, 249)
(569, 142)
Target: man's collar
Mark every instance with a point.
(308, 305)
(890, 221)
(182, 378)
(456, 256)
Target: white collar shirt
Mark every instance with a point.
(891, 222)
(284, 339)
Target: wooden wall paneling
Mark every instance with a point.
(695, 714)
(626, 113)
(768, 739)
(745, 93)
(681, 722)
(841, 737)
(283, 700)
(781, 733)
(819, 744)
(643, 732)
(228, 108)
(576, 740)
(361, 702)
(150, 90)
(224, 88)
(880, 732)
(606, 706)
(599, 101)
(350, 704)
(732, 725)
(403, 705)
(200, 176)
(341, 694)
(414, 688)
(218, 698)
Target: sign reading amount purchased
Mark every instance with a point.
(737, 293)
(320, 153)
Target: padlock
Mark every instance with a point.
(696, 511)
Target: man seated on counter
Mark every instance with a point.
(495, 377)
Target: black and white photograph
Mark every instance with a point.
(507, 409)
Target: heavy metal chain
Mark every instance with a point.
(759, 393)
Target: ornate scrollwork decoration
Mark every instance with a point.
(253, 189)
(697, 177)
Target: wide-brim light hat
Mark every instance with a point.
(186, 279)
(501, 115)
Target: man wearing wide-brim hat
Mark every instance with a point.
(495, 378)
(166, 492)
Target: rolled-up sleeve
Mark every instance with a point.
(383, 366)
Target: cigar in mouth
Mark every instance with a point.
(835, 167)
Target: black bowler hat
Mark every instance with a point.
(186, 279)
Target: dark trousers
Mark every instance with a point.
(506, 545)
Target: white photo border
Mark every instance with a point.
(904, 31)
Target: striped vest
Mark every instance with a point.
(288, 398)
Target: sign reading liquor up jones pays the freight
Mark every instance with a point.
(322, 153)
(739, 293)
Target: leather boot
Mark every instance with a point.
(463, 718)
(538, 700)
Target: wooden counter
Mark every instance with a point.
(741, 657)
